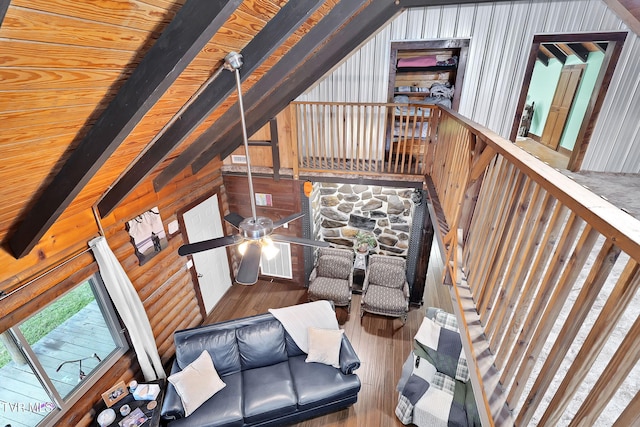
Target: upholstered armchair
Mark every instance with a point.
(385, 289)
(332, 277)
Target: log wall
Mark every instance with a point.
(161, 282)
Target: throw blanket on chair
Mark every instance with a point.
(429, 397)
(297, 319)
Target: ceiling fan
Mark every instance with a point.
(255, 233)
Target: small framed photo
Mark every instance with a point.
(114, 394)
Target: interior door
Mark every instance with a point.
(203, 222)
(561, 105)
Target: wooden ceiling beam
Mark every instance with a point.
(556, 52)
(543, 58)
(4, 5)
(185, 36)
(276, 82)
(260, 48)
(338, 47)
(579, 50)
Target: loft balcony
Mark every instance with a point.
(542, 271)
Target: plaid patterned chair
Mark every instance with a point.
(385, 289)
(332, 277)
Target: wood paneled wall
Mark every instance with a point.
(163, 283)
(286, 201)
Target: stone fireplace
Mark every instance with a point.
(340, 211)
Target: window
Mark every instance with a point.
(51, 359)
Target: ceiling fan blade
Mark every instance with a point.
(205, 245)
(248, 268)
(283, 221)
(234, 219)
(299, 240)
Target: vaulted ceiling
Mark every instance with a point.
(97, 96)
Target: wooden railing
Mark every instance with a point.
(362, 138)
(543, 271)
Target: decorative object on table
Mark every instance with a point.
(115, 394)
(132, 385)
(147, 234)
(146, 392)
(125, 410)
(152, 405)
(365, 241)
(134, 419)
(106, 417)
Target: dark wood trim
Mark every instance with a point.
(260, 48)
(611, 57)
(579, 50)
(259, 143)
(341, 43)
(556, 51)
(615, 41)
(363, 181)
(526, 81)
(185, 36)
(261, 89)
(275, 149)
(4, 5)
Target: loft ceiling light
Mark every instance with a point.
(256, 232)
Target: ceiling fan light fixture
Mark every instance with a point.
(242, 247)
(256, 228)
(254, 232)
(269, 250)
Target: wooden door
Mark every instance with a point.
(203, 222)
(561, 105)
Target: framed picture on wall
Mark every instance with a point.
(147, 234)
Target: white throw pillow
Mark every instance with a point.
(197, 382)
(324, 346)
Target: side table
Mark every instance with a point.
(153, 414)
(359, 268)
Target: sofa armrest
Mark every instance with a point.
(349, 360)
(172, 405)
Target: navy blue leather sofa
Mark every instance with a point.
(267, 379)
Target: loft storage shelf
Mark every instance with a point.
(427, 71)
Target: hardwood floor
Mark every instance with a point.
(551, 157)
(382, 343)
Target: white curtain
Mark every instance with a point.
(129, 306)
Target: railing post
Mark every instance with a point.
(291, 117)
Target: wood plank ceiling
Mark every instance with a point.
(86, 86)
(89, 90)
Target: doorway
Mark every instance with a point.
(204, 222)
(563, 99)
(560, 46)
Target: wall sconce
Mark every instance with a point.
(308, 188)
